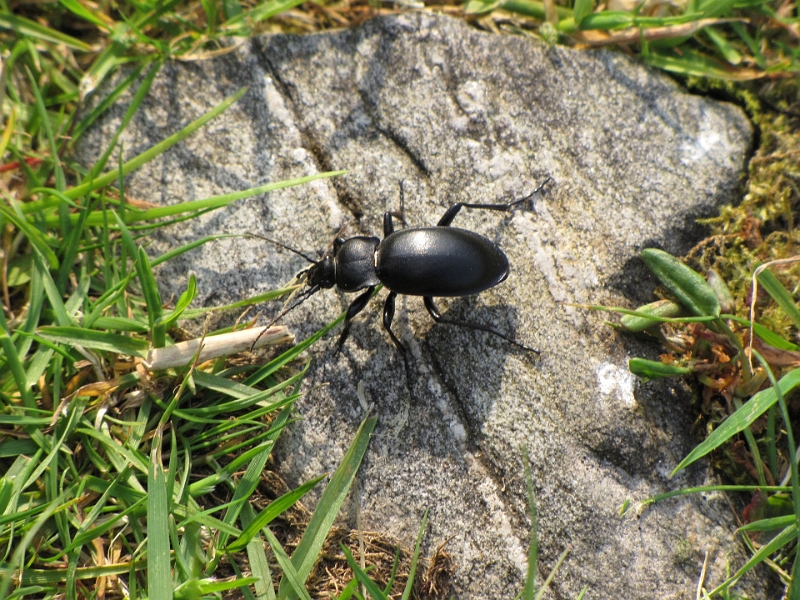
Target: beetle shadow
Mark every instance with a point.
(468, 363)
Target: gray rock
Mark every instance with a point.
(427, 105)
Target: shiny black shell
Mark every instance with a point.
(439, 261)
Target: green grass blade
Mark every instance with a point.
(7, 570)
(190, 246)
(109, 59)
(328, 507)
(193, 313)
(529, 590)
(74, 415)
(159, 148)
(105, 103)
(97, 340)
(533, 8)
(61, 182)
(84, 13)
(291, 578)
(771, 338)
(34, 236)
(741, 419)
(248, 483)
(780, 294)
(294, 351)
(152, 299)
(25, 28)
(13, 363)
(159, 578)
(689, 63)
(271, 512)
(724, 46)
(415, 558)
(363, 578)
(56, 576)
(136, 102)
(257, 557)
(261, 12)
(51, 291)
(778, 542)
(685, 284)
(186, 298)
(96, 218)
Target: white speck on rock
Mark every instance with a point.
(616, 381)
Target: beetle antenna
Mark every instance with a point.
(335, 237)
(531, 195)
(284, 246)
(302, 297)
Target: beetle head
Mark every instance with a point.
(322, 273)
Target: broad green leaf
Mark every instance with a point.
(477, 7)
(654, 369)
(685, 284)
(582, 9)
(661, 308)
(533, 8)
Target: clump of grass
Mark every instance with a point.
(751, 370)
(712, 39)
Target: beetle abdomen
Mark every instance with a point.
(439, 261)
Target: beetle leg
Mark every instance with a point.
(451, 213)
(436, 315)
(388, 224)
(388, 316)
(356, 306)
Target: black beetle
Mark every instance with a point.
(440, 261)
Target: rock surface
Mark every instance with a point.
(426, 106)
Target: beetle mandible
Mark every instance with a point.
(440, 261)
